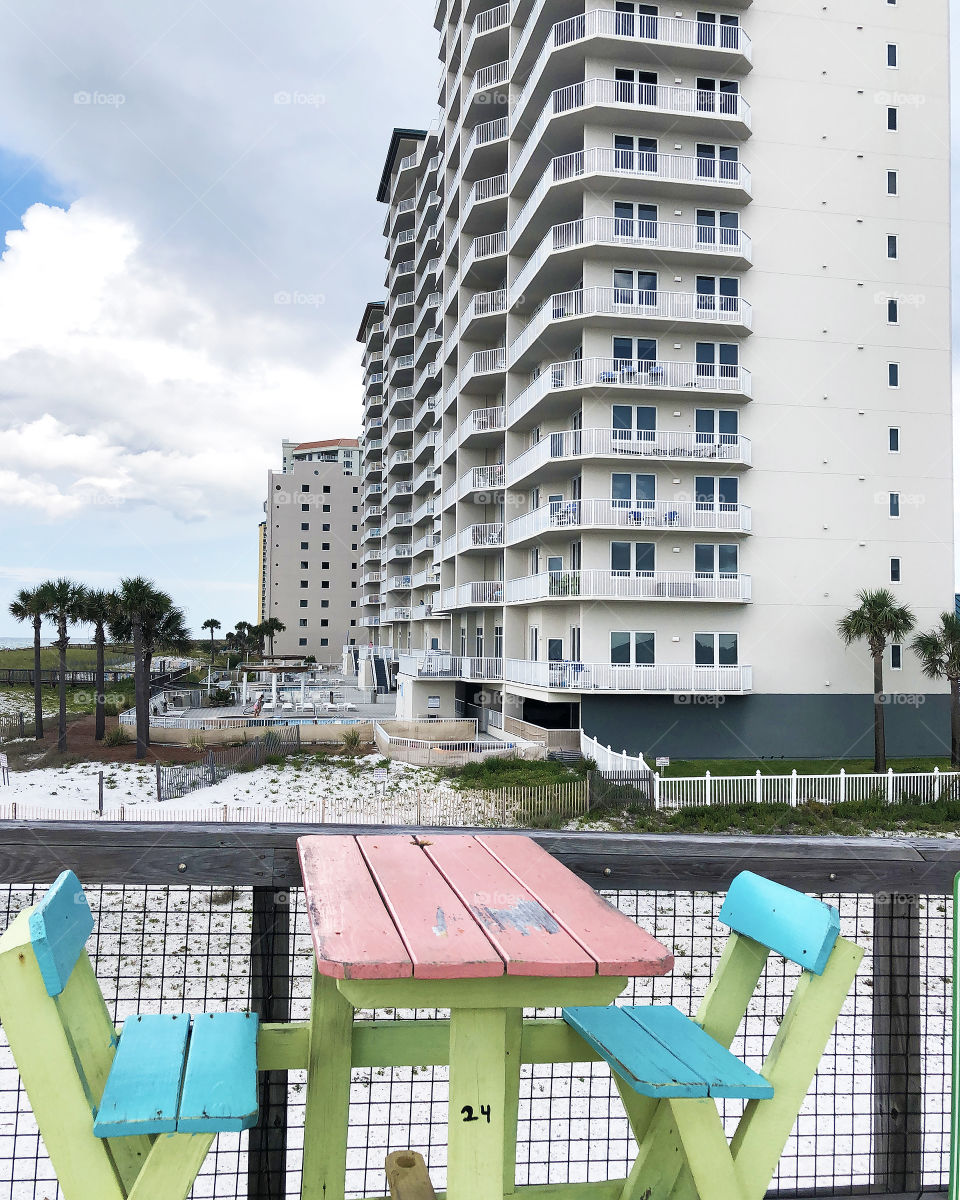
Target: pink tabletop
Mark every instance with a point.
(454, 906)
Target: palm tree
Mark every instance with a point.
(98, 609)
(269, 629)
(939, 654)
(242, 631)
(879, 619)
(65, 600)
(31, 604)
(166, 629)
(138, 603)
(212, 624)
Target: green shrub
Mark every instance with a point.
(196, 741)
(117, 737)
(351, 740)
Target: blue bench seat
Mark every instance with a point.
(657, 1051)
(181, 1074)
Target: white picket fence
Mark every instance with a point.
(608, 759)
(893, 787)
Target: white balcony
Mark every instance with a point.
(481, 479)
(399, 583)
(642, 375)
(490, 133)
(723, 312)
(669, 679)
(404, 550)
(480, 537)
(681, 108)
(489, 21)
(696, 242)
(494, 187)
(483, 421)
(727, 448)
(425, 445)
(480, 594)
(398, 614)
(372, 556)
(436, 664)
(679, 515)
(482, 305)
(494, 75)
(372, 600)
(672, 39)
(400, 458)
(483, 247)
(624, 585)
(370, 622)
(483, 362)
(428, 542)
(399, 520)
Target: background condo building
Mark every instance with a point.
(310, 548)
(661, 377)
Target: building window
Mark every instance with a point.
(324, 545)
(303, 603)
(894, 570)
(305, 526)
(894, 439)
(304, 583)
(894, 504)
(326, 489)
(324, 583)
(892, 119)
(324, 603)
(304, 545)
(326, 508)
(324, 642)
(324, 622)
(893, 183)
(893, 374)
(304, 507)
(630, 648)
(303, 622)
(324, 566)
(301, 641)
(304, 487)
(891, 245)
(715, 649)
(325, 528)
(892, 54)
(896, 656)
(893, 312)
(304, 566)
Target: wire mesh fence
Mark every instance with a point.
(175, 782)
(200, 948)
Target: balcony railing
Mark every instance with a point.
(494, 75)
(626, 585)
(398, 614)
(483, 304)
(642, 373)
(633, 304)
(623, 233)
(708, 516)
(635, 443)
(663, 31)
(437, 664)
(676, 679)
(474, 595)
(480, 537)
(725, 107)
(495, 187)
(483, 420)
(480, 479)
(484, 362)
(487, 22)
(487, 245)
(483, 135)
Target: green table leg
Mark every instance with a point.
(484, 1065)
(328, 1093)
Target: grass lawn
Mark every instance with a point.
(783, 766)
(80, 700)
(78, 659)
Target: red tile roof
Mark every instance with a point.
(325, 445)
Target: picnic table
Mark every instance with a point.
(484, 926)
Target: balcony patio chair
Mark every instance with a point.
(128, 1116)
(670, 1069)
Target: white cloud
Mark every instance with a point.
(119, 387)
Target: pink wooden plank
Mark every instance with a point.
(618, 944)
(353, 934)
(530, 939)
(442, 937)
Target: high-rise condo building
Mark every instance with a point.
(661, 376)
(310, 548)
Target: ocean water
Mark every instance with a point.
(20, 643)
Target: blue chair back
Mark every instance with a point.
(786, 921)
(59, 927)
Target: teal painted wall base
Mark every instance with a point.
(766, 726)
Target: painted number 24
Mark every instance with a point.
(469, 1115)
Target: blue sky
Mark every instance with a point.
(187, 193)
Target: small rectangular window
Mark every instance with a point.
(892, 119)
(304, 566)
(325, 528)
(304, 507)
(304, 487)
(894, 504)
(324, 583)
(326, 508)
(324, 603)
(324, 622)
(303, 603)
(324, 566)
(896, 656)
(893, 375)
(893, 182)
(891, 245)
(892, 54)
(324, 545)
(304, 583)
(893, 312)
(325, 642)
(305, 526)
(304, 545)
(894, 436)
(303, 622)
(326, 489)
(894, 570)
